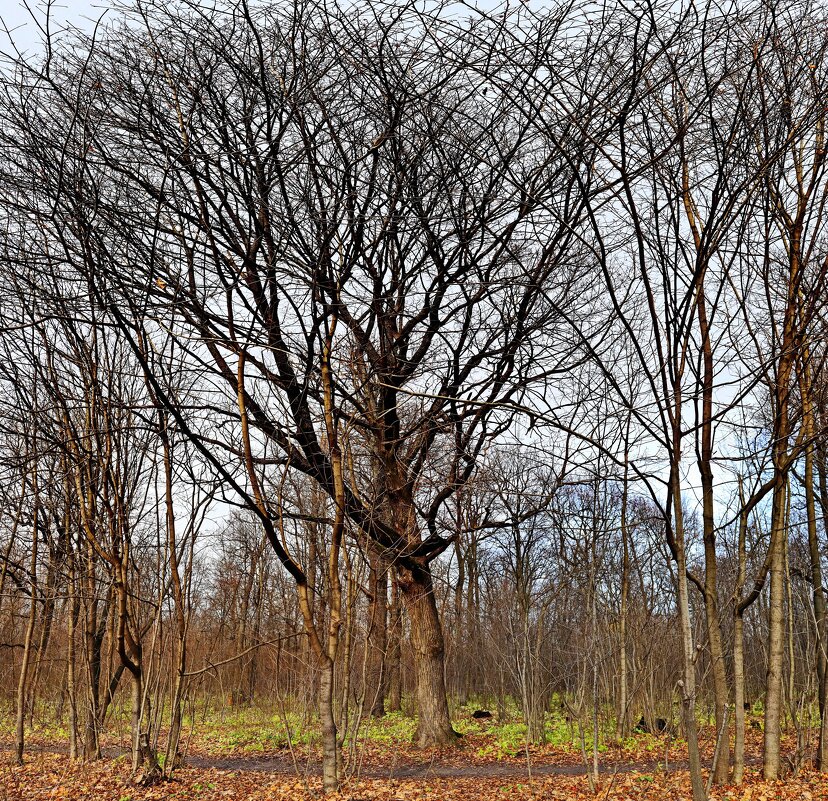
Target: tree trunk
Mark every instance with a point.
(171, 758)
(816, 577)
(739, 698)
(373, 702)
(776, 636)
(623, 702)
(822, 753)
(433, 724)
(71, 684)
(739, 648)
(711, 592)
(721, 692)
(330, 763)
(46, 618)
(816, 568)
(460, 631)
(135, 721)
(393, 666)
(22, 683)
(688, 685)
(95, 630)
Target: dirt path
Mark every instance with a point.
(426, 770)
(435, 769)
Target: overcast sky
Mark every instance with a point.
(81, 13)
(26, 36)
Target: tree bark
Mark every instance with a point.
(135, 721)
(822, 752)
(688, 684)
(22, 683)
(330, 763)
(95, 629)
(721, 691)
(704, 449)
(373, 702)
(739, 649)
(776, 636)
(434, 723)
(71, 683)
(623, 702)
(394, 667)
(808, 424)
(739, 698)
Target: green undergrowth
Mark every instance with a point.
(251, 730)
(44, 723)
(393, 729)
(262, 728)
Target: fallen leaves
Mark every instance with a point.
(54, 777)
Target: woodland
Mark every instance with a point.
(415, 400)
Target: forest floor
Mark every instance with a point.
(490, 763)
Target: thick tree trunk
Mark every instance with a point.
(434, 723)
